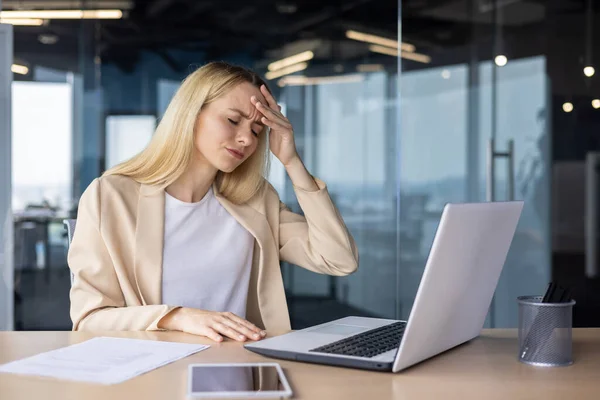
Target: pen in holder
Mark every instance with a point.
(545, 331)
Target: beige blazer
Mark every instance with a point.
(116, 253)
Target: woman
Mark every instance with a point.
(188, 235)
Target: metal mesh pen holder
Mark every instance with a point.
(545, 332)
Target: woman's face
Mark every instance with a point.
(227, 129)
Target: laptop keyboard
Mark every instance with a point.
(367, 344)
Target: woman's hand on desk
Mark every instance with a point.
(211, 324)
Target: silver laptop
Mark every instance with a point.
(456, 289)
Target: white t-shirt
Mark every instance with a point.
(207, 256)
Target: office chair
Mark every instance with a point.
(70, 226)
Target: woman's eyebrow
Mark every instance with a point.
(240, 112)
(237, 110)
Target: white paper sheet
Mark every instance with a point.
(103, 360)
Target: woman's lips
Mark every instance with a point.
(236, 154)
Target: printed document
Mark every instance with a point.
(103, 360)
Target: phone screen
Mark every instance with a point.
(228, 378)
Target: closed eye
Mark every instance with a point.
(236, 123)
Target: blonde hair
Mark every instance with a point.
(172, 147)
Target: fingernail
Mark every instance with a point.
(263, 333)
(256, 335)
(253, 98)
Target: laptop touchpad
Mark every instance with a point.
(339, 329)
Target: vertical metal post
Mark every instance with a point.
(592, 186)
(6, 218)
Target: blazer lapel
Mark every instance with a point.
(264, 296)
(149, 237)
(255, 223)
(248, 217)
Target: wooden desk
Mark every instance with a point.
(485, 368)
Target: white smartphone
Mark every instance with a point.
(255, 380)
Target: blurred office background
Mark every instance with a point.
(399, 105)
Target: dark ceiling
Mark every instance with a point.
(265, 30)
(260, 29)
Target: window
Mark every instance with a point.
(126, 136)
(42, 135)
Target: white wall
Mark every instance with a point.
(6, 226)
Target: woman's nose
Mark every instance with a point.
(244, 138)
